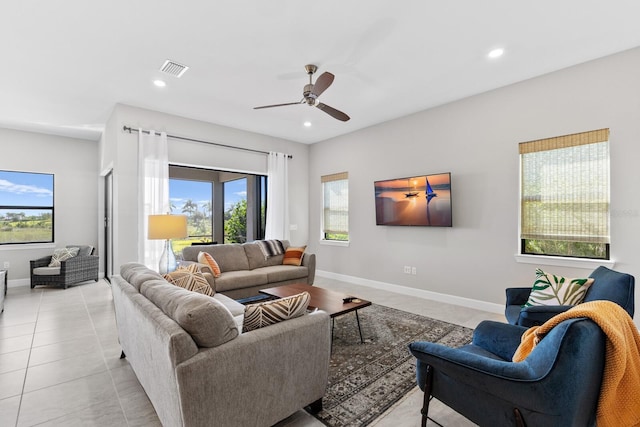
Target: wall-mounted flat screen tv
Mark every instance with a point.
(423, 200)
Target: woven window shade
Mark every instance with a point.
(565, 188)
(336, 203)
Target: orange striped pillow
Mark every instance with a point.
(293, 256)
(207, 259)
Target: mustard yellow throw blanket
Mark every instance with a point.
(619, 403)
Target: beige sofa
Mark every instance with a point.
(245, 271)
(207, 373)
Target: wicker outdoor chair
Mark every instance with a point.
(79, 268)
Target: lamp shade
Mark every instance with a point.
(167, 227)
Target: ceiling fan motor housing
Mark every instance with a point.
(309, 96)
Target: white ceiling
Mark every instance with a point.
(65, 64)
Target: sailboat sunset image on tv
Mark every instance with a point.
(420, 200)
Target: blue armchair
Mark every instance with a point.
(608, 285)
(557, 385)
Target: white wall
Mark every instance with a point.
(476, 139)
(74, 163)
(119, 151)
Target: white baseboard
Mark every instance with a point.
(420, 293)
(14, 283)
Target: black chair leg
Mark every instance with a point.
(519, 419)
(427, 396)
(316, 406)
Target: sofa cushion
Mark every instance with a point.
(46, 271)
(62, 254)
(83, 250)
(190, 278)
(241, 279)
(549, 289)
(230, 257)
(293, 256)
(256, 258)
(268, 313)
(282, 273)
(209, 322)
(206, 259)
(137, 274)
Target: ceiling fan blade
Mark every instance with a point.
(322, 83)
(278, 105)
(336, 114)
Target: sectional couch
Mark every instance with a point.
(198, 369)
(246, 270)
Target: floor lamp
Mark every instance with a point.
(167, 227)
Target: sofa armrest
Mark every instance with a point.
(309, 261)
(278, 369)
(40, 262)
(79, 263)
(498, 338)
(538, 314)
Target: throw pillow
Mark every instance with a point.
(191, 279)
(62, 255)
(549, 289)
(207, 259)
(293, 256)
(268, 313)
(270, 248)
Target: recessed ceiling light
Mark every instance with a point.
(307, 124)
(496, 53)
(159, 83)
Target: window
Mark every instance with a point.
(26, 207)
(564, 196)
(221, 206)
(335, 202)
(193, 199)
(235, 211)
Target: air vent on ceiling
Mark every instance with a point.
(173, 68)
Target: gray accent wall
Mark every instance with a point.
(74, 163)
(476, 139)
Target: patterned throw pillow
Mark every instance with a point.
(62, 255)
(293, 256)
(549, 289)
(191, 279)
(207, 259)
(263, 314)
(270, 248)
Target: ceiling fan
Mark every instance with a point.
(311, 93)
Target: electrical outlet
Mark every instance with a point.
(413, 271)
(6, 265)
(407, 269)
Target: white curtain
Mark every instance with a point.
(277, 197)
(153, 192)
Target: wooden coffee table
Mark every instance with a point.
(326, 300)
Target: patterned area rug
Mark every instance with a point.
(367, 379)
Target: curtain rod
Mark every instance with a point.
(130, 129)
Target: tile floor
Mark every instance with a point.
(60, 365)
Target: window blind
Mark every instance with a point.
(565, 188)
(336, 203)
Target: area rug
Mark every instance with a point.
(367, 379)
